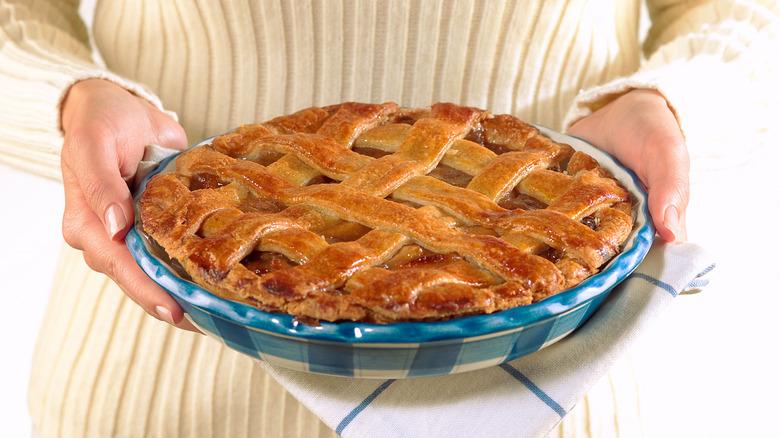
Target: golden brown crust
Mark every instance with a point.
(420, 222)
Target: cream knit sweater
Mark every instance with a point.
(104, 368)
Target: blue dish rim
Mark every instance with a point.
(616, 271)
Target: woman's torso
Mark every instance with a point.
(220, 64)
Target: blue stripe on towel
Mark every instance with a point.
(364, 404)
(655, 281)
(697, 282)
(706, 270)
(535, 389)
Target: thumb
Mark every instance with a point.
(106, 192)
(91, 158)
(666, 212)
(668, 194)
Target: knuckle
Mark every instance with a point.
(91, 185)
(665, 142)
(97, 131)
(112, 267)
(70, 237)
(683, 192)
(90, 261)
(71, 231)
(168, 132)
(85, 141)
(100, 262)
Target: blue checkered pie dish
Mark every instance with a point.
(404, 349)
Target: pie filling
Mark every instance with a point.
(376, 213)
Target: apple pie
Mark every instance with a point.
(379, 213)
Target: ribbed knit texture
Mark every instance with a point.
(245, 62)
(104, 368)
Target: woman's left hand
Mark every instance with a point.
(639, 129)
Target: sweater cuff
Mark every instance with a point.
(720, 82)
(716, 103)
(589, 101)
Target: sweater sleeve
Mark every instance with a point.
(716, 64)
(43, 51)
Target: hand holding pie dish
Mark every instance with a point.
(375, 214)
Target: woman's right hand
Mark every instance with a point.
(106, 131)
(640, 129)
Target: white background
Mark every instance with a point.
(708, 367)
(30, 239)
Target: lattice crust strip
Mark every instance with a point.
(378, 213)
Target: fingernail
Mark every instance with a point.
(114, 220)
(672, 220)
(164, 314)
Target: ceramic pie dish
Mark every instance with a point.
(401, 349)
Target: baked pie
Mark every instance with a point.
(379, 213)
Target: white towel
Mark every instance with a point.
(525, 397)
(153, 155)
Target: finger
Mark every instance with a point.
(94, 165)
(73, 220)
(114, 259)
(669, 190)
(151, 297)
(144, 291)
(667, 208)
(83, 230)
(186, 324)
(139, 287)
(168, 132)
(171, 315)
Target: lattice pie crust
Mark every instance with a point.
(376, 213)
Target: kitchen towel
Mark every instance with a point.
(525, 397)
